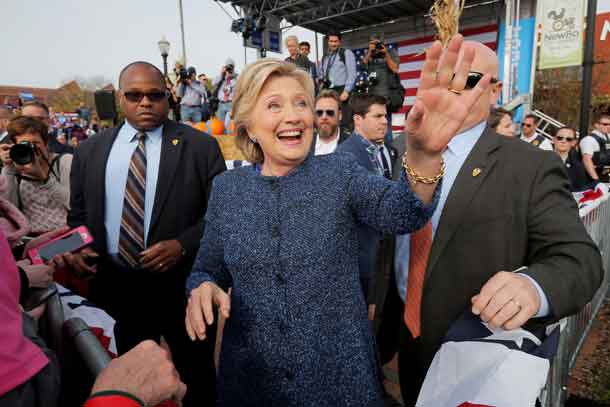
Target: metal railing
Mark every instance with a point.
(576, 328)
(547, 126)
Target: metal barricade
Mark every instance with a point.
(576, 328)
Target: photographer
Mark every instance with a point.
(224, 86)
(38, 181)
(193, 95)
(382, 67)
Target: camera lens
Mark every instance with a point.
(23, 153)
(379, 45)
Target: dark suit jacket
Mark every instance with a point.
(369, 239)
(189, 161)
(517, 212)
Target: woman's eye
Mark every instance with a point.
(301, 104)
(274, 107)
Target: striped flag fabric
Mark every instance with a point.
(412, 56)
(481, 366)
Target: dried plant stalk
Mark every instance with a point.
(446, 16)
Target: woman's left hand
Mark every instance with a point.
(441, 106)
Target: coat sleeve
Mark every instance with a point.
(77, 213)
(209, 264)
(214, 165)
(387, 206)
(562, 258)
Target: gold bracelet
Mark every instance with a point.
(415, 177)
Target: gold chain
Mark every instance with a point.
(415, 177)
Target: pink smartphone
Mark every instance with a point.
(68, 242)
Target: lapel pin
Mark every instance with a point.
(175, 141)
(476, 172)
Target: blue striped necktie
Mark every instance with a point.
(131, 236)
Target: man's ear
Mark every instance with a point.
(496, 92)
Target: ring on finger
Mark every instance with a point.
(457, 92)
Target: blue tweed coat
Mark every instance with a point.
(298, 333)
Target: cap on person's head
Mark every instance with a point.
(191, 70)
(376, 37)
(229, 61)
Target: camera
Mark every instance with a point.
(379, 46)
(23, 153)
(229, 69)
(372, 79)
(183, 73)
(326, 84)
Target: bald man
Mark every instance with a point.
(505, 241)
(141, 189)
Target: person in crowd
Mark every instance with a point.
(172, 99)
(501, 121)
(328, 134)
(382, 65)
(529, 135)
(141, 189)
(305, 50)
(367, 146)
(192, 96)
(224, 88)
(565, 142)
(294, 55)
(504, 207)
(6, 115)
(61, 139)
(84, 113)
(156, 380)
(597, 142)
(40, 111)
(74, 142)
(297, 321)
(338, 72)
(39, 185)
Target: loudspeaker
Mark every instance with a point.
(105, 104)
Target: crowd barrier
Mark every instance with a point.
(576, 328)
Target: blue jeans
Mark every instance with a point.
(190, 113)
(223, 109)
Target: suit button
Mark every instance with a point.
(280, 279)
(275, 232)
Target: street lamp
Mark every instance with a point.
(164, 48)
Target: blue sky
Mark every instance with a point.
(46, 42)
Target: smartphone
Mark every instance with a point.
(71, 241)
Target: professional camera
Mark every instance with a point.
(379, 48)
(23, 153)
(184, 75)
(372, 79)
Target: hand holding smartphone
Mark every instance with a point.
(68, 242)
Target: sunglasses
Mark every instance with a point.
(562, 138)
(136, 97)
(473, 79)
(329, 113)
(604, 124)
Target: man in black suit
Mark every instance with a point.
(142, 191)
(328, 133)
(367, 145)
(505, 206)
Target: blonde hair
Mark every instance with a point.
(247, 91)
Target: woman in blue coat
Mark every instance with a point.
(282, 235)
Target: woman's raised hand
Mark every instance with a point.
(441, 106)
(199, 311)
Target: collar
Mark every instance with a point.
(464, 142)
(529, 139)
(128, 133)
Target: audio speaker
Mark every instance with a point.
(105, 104)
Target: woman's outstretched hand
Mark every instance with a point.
(199, 311)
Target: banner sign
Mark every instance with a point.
(562, 32)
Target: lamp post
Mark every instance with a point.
(164, 48)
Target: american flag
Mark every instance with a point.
(411, 53)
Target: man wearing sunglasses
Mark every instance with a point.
(328, 116)
(595, 149)
(503, 207)
(565, 141)
(529, 135)
(141, 189)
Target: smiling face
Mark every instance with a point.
(293, 47)
(146, 114)
(282, 124)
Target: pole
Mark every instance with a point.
(317, 55)
(182, 31)
(587, 68)
(164, 64)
